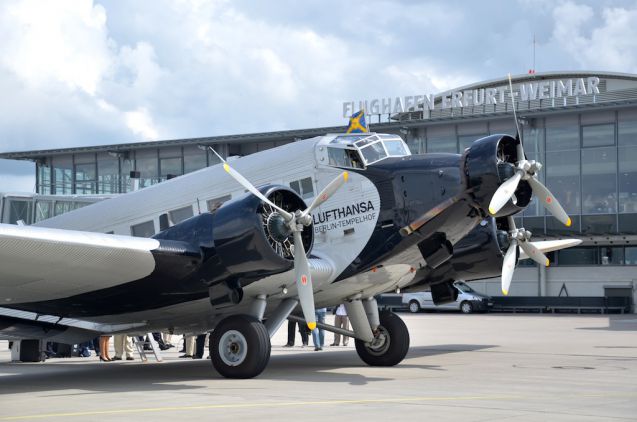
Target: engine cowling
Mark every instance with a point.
(251, 238)
(489, 162)
(241, 242)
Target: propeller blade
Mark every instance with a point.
(518, 136)
(508, 266)
(246, 184)
(504, 193)
(534, 253)
(549, 201)
(304, 281)
(326, 193)
(551, 245)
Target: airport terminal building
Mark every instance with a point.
(582, 126)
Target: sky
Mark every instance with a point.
(90, 72)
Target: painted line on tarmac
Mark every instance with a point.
(301, 403)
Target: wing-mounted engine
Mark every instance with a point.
(478, 255)
(489, 162)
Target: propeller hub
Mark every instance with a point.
(278, 228)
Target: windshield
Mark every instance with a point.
(360, 150)
(463, 287)
(395, 147)
(374, 152)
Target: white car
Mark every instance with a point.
(468, 300)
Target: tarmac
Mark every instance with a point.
(460, 367)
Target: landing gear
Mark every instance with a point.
(240, 347)
(390, 344)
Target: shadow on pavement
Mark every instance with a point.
(617, 323)
(93, 377)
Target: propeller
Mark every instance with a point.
(526, 170)
(519, 238)
(296, 222)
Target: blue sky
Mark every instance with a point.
(88, 72)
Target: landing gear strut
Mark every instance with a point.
(390, 344)
(240, 347)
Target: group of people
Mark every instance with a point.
(194, 345)
(124, 347)
(318, 334)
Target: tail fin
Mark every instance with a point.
(357, 123)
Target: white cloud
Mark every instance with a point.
(141, 123)
(79, 72)
(50, 43)
(606, 42)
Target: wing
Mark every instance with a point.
(39, 264)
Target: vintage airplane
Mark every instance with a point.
(384, 219)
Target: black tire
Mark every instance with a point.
(466, 307)
(414, 306)
(246, 346)
(394, 350)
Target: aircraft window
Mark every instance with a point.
(303, 187)
(145, 229)
(395, 147)
(374, 152)
(181, 214)
(340, 157)
(215, 203)
(347, 139)
(163, 222)
(368, 140)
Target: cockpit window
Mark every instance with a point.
(340, 157)
(360, 150)
(395, 147)
(373, 152)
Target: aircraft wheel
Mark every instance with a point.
(240, 347)
(391, 344)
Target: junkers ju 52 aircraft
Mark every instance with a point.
(384, 219)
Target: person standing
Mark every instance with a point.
(123, 347)
(318, 334)
(303, 330)
(104, 346)
(341, 321)
(189, 346)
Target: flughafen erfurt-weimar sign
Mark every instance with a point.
(535, 90)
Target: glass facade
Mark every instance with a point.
(589, 163)
(109, 172)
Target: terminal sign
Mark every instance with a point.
(536, 90)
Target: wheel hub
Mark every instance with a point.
(233, 348)
(381, 342)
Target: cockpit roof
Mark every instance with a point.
(359, 150)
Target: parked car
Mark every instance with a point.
(468, 300)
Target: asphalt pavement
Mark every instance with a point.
(460, 367)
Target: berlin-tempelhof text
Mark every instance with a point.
(543, 89)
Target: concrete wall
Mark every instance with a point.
(579, 281)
